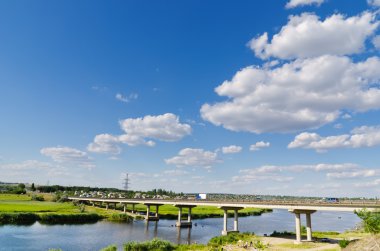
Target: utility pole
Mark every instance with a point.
(126, 182)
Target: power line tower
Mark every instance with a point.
(126, 182)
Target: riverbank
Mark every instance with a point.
(22, 210)
(243, 241)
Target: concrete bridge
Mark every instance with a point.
(307, 207)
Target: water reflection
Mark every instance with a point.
(184, 232)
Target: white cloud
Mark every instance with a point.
(365, 136)
(27, 165)
(305, 93)
(346, 116)
(281, 173)
(296, 3)
(164, 127)
(231, 149)
(374, 2)
(140, 131)
(126, 99)
(68, 155)
(354, 174)
(258, 145)
(376, 42)
(193, 157)
(105, 143)
(374, 183)
(307, 36)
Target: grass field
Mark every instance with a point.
(11, 203)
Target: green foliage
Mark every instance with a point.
(153, 245)
(259, 245)
(36, 197)
(343, 243)
(68, 218)
(371, 220)
(110, 248)
(18, 218)
(231, 238)
(33, 188)
(281, 234)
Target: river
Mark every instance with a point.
(93, 237)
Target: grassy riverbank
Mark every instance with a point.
(22, 210)
(237, 242)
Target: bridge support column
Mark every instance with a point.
(298, 227)
(225, 219)
(133, 208)
(181, 223)
(236, 221)
(106, 206)
(124, 208)
(308, 227)
(298, 213)
(148, 216)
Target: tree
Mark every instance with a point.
(371, 220)
(33, 188)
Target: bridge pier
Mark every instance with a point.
(309, 233)
(148, 217)
(181, 223)
(225, 219)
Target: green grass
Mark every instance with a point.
(306, 245)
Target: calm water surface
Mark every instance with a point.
(99, 235)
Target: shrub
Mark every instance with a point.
(259, 245)
(37, 197)
(153, 245)
(110, 248)
(69, 218)
(18, 218)
(344, 243)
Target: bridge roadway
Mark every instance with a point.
(297, 207)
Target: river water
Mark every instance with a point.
(93, 237)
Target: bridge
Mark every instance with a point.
(307, 207)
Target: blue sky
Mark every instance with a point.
(262, 97)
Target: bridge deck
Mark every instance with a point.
(349, 206)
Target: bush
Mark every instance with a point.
(228, 239)
(344, 243)
(69, 218)
(110, 248)
(18, 218)
(259, 245)
(153, 245)
(37, 197)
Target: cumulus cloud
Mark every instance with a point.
(307, 36)
(193, 157)
(295, 3)
(258, 145)
(126, 99)
(368, 184)
(141, 131)
(302, 94)
(364, 136)
(68, 155)
(164, 127)
(231, 149)
(105, 143)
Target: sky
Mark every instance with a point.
(277, 97)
